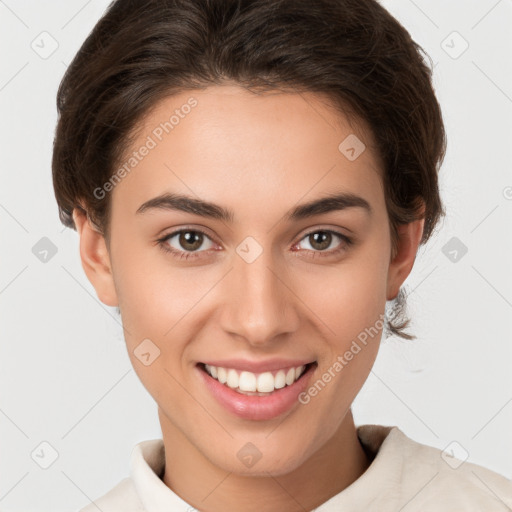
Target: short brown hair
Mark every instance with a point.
(353, 51)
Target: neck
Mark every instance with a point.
(337, 464)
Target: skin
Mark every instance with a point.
(244, 151)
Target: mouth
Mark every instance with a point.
(256, 395)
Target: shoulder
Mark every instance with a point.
(433, 479)
(123, 497)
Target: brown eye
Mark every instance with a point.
(186, 242)
(190, 240)
(320, 240)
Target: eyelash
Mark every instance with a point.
(162, 242)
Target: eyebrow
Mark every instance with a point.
(188, 204)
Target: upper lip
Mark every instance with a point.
(268, 365)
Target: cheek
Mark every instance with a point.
(161, 303)
(150, 291)
(150, 300)
(350, 297)
(350, 302)
(154, 308)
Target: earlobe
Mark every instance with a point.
(409, 238)
(95, 258)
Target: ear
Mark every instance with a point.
(95, 258)
(401, 265)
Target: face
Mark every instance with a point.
(271, 295)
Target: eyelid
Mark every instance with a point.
(197, 229)
(174, 230)
(329, 229)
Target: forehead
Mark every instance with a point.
(230, 145)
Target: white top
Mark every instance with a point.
(403, 472)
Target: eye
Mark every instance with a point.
(183, 244)
(321, 239)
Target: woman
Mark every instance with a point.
(251, 181)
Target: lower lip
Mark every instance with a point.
(257, 407)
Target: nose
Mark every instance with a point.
(260, 304)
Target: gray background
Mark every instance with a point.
(65, 375)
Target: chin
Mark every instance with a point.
(249, 461)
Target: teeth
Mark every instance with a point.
(280, 379)
(247, 381)
(290, 376)
(265, 383)
(251, 383)
(233, 379)
(222, 375)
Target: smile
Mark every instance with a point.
(267, 392)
